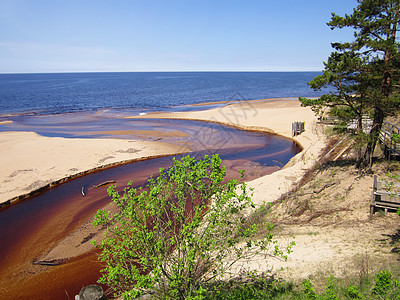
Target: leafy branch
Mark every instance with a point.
(184, 228)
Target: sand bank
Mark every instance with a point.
(268, 115)
(339, 244)
(29, 162)
(317, 245)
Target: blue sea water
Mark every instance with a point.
(142, 91)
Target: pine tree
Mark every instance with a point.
(364, 74)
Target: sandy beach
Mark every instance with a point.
(336, 236)
(30, 162)
(265, 113)
(273, 116)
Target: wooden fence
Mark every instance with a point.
(366, 124)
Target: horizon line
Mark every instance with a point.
(192, 71)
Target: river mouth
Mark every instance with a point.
(34, 226)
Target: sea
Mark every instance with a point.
(141, 92)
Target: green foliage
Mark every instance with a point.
(308, 290)
(384, 286)
(383, 283)
(395, 137)
(392, 184)
(330, 290)
(259, 288)
(340, 128)
(343, 112)
(186, 227)
(363, 76)
(353, 292)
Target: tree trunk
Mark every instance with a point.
(374, 136)
(360, 130)
(386, 88)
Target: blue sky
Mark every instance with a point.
(167, 35)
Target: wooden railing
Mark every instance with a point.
(391, 147)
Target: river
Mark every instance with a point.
(35, 226)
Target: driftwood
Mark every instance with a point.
(316, 191)
(324, 187)
(314, 215)
(97, 186)
(103, 183)
(54, 262)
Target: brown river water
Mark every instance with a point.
(32, 227)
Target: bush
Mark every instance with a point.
(308, 290)
(383, 283)
(353, 292)
(395, 137)
(186, 227)
(330, 290)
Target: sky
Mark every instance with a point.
(40, 36)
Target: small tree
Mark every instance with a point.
(185, 227)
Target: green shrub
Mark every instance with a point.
(308, 290)
(330, 290)
(353, 292)
(383, 283)
(395, 137)
(186, 227)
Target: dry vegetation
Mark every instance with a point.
(328, 216)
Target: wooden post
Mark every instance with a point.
(372, 203)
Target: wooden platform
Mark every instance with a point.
(298, 128)
(381, 197)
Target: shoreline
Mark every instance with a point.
(76, 175)
(23, 179)
(267, 188)
(272, 116)
(32, 163)
(332, 243)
